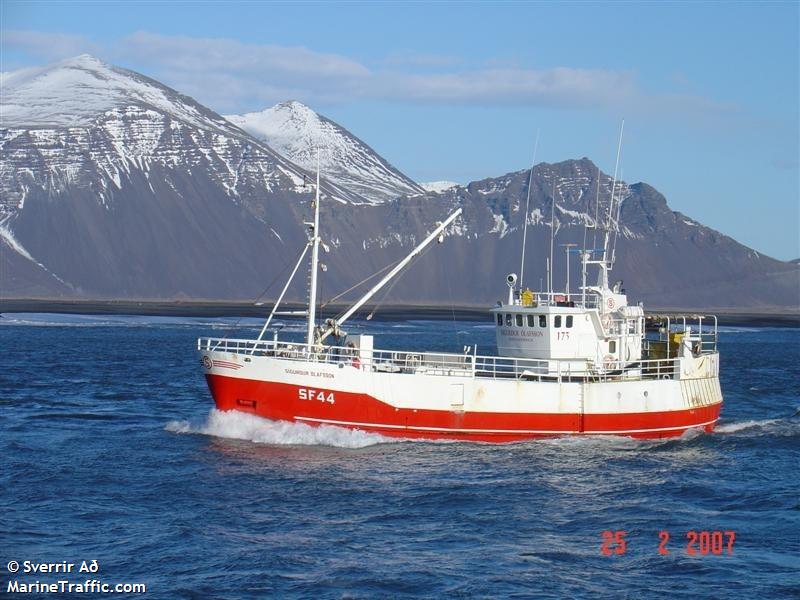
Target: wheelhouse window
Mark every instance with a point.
(499, 319)
(542, 321)
(569, 320)
(531, 321)
(557, 322)
(519, 320)
(508, 321)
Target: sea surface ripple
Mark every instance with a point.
(112, 451)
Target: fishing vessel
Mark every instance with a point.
(567, 364)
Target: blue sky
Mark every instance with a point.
(708, 91)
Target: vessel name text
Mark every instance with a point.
(521, 333)
(309, 373)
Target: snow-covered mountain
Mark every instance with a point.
(74, 92)
(297, 132)
(103, 166)
(114, 185)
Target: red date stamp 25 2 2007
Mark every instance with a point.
(698, 543)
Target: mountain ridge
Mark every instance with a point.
(139, 202)
(298, 132)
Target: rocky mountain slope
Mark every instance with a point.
(297, 132)
(113, 185)
(665, 258)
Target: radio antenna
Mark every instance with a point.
(527, 209)
(596, 210)
(552, 236)
(612, 223)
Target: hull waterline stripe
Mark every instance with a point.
(507, 431)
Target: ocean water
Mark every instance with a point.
(111, 452)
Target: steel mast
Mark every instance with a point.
(312, 294)
(612, 221)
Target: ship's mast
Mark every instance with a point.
(527, 208)
(568, 250)
(552, 238)
(312, 293)
(612, 222)
(611, 226)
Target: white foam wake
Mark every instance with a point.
(734, 427)
(242, 426)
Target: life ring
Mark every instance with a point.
(356, 363)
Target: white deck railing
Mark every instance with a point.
(440, 363)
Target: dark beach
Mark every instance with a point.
(392, 312)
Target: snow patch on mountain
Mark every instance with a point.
(578, 217)
(438, 186)
(536, 217)
(7, 236)
(500, 226)
(299, 133)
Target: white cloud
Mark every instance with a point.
(560, 87)
(203, 54)
(231, 76)
(49, 46)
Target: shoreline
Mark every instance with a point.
(389, 312)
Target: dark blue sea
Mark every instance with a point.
(111, 452)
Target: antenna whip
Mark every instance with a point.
(527, 208)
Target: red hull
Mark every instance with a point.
(279, 401)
